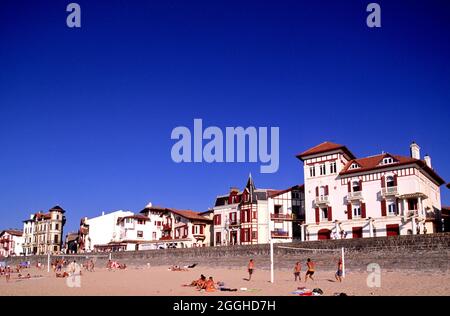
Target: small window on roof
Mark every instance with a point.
(388, 160)
(354, 166)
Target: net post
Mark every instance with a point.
(271, 261)
(48, 262)
(343, 261)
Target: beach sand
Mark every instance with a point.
(158, 280)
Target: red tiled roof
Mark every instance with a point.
(373, 162)
(13, 232)
(272, 193)
(42, 215)
(324, 147)
(189, 214)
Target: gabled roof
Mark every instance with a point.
(323, 148)
(12, 232)
(373, 163)
(273, 193)
(190, 215)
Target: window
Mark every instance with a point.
(296, 195)
(355, 186)
(354, 166)
(390, 181)
(218, 238)
(388, 160)
(391, 209)
(412, 204)
(356, 211)
(56, 239)
(140, 234)
(322, 170)
(333, 167)
(312, 171)
(177, 219)
(277, 209)
(254, 235)
(324, 212)
(55, 248)
(56, 226)
(154, 235)
(217, 219)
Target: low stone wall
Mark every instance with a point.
(416, 252)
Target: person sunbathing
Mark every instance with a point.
(177, 268)
(62, 275)
(209, 285)
(20, 276)
(221, 287)
(196, 282)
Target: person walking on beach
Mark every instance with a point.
(297, 270)
(338, 274)
(251, 267)
(311, 269)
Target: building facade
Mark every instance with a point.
(381, 195)
(43, 232)
(173, 228)
(11, 241)
(254, 216)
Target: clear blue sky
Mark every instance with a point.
(86, 114)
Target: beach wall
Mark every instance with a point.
(415, 252)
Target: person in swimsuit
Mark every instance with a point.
(251, 267)
(311, 269)
(297, 269)
(338, 274)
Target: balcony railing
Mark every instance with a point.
(279, 234)
(389, 191)
(234, 223)
(288, 217)
(322, 199)
(166, 238)
(167, 227)
(352, 196)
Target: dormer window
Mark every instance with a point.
(354, 166)
(388, 160)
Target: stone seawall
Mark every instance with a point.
(416, 252)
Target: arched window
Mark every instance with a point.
(390, 181)
(355, 186)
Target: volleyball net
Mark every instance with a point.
(336, 253)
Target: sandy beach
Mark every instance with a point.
(158, 280)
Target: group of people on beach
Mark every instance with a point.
(310, 270)
(209, 285)
(111, 265)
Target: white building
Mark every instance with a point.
(172, 228)
(381, 195)
(253, 216)
(11, 241)
(103, 230)
(287, 213)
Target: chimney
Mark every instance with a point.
(427, 159)
(415, 150)
(103, 213)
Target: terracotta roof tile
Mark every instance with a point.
(324, 147)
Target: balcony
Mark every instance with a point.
(284, 217)
(389, 191)
(234, 224)
(166, 238)
(199, 236)
(166, 227)
(279, 234)
(355, 196)
(322, 200)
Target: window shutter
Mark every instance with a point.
(395, 180)
(360, 185)
(317, 191)
(349, 187)
(382, 182)
(349, 211)
(317, 215)
(193, 229)
(326, 190)
(383, 208)
(363, 210)
(330, 214)
(201, 229)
